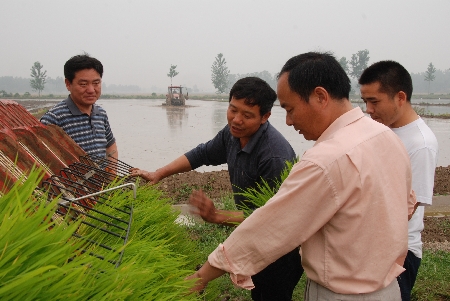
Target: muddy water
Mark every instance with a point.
(150, 135)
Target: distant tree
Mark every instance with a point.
(37, 81)
(3, 93)
(358, 63)
(113, 88)
(267, 77)
(18, 84)
(172, 73)
(220, 72)
(429, 75)
(344, 64)
(57, 85)
(264, 75)
(233, 78)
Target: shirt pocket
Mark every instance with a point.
(247, 179)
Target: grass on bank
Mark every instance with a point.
(425, 113)
(39, 113)
(433, 280)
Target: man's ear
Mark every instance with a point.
(265, 117)
(402, 99)
(320, 95)
(68, 84)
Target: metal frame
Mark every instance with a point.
(79, 188)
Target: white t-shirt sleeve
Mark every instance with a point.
(423, 163)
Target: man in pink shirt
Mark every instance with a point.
(346, 202)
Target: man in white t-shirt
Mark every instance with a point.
(386, 88)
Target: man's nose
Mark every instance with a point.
(237, 118)
(289, 121)
(369, 108)
(90, 88)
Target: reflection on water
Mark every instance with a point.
(219, 116)
(441, 128)
(149, 138)
(176, 115)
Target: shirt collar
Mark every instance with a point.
(341, 122)
(75, 110)
(248, 148)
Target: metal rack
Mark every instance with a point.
(81, 193)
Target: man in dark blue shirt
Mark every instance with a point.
(254, 150)
(262, 157)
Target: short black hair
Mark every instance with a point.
(81, 62)
(315, 69)
(392, 77)
(256, 92)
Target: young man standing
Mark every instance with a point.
(386, 88)
(78, 115)
(254, 151)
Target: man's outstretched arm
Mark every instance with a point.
(181, 164)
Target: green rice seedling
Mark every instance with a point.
(258, 197)
(208, 236)
(42, 260)
(263, 192)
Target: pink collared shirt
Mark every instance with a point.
(346, 203)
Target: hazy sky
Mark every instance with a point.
(138, 40)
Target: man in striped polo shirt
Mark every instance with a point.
(78, 115)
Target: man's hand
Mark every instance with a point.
(204, 275)
(415, 208)
(203, 206)
(199, 286)
(151, 177)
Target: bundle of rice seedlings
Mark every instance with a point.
(263, 192)
(42, 260)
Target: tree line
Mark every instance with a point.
(39, 82)
(430, 81)
(19, 86)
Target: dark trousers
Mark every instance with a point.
(407, 279)
(278, 280)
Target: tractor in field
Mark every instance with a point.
(175, 96)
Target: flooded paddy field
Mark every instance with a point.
(150, 135)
